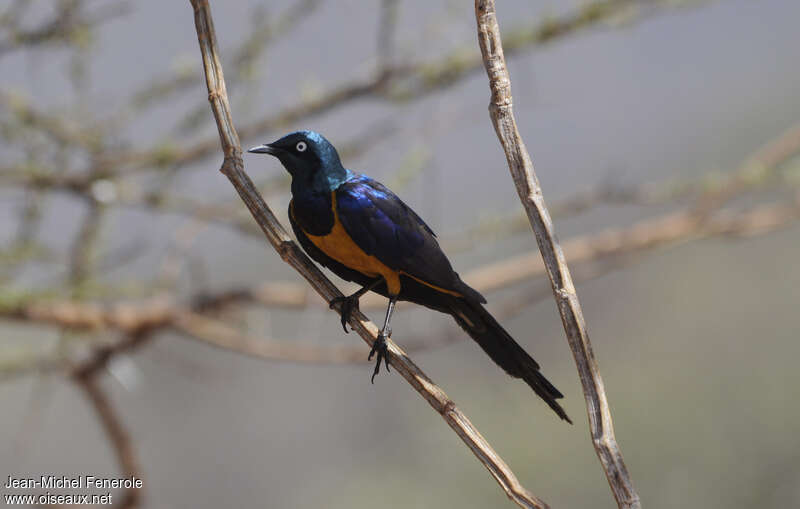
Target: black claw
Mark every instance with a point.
(382, 349)
(348, 305)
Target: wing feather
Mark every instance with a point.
(385, 227)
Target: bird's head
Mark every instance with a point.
(311, 160)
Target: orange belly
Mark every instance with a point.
(338, 245)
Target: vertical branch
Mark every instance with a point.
(83, 246)
(23, 249)
(530, 193)
(233, 168)
(386, 32)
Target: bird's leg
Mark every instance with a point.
(350, 302)
(380, 346)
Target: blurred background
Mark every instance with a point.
(148, 329)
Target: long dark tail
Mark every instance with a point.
(501, 347)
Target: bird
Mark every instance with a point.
(364, 233)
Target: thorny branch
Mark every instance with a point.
(530, 193)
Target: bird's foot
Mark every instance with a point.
(349, 304)
(382, 349)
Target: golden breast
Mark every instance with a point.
(338, 245)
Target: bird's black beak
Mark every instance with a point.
(264, 149)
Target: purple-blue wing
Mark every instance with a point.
(385, 227)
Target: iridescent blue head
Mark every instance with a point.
(311, 160)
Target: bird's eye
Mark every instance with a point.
(301, 146)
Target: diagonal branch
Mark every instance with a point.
(117, 435)
(233, 168)
(530, 193)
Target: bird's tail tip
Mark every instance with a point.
(506, 352)
(542, 387)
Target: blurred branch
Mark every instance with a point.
(530, 194)
(399, 82)
(24, 246)
(118, 436)
(753, 170)
(611, 249)
(708, 193)
(232, 167)
(687, 224)
(59, 128)
(222, 335)
(68, 25)
(758, 169)
(265, 30)
(73, 314)
(160, 311)
(668, 229)
(84, 246)
(386, 35)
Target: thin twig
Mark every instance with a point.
(233, 168)
(530, 193)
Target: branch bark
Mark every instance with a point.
(233, 168)
(530, 193)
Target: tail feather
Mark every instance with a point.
(501, 347)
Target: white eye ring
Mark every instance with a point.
(301, 146)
